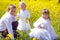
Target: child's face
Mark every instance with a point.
(45, 16)
(12, 11)
(23, 6)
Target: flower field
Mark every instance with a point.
(35, 7)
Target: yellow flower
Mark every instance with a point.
(26, 20)
(34, 39)
(9, 35)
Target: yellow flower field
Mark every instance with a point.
(35, 7)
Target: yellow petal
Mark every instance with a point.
(9, 35)
(34, 39)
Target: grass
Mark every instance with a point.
(35, 7)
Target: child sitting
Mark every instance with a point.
(45, 19)
(40, 33)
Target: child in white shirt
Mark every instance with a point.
(6, 21)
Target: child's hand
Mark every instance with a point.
(26, 20)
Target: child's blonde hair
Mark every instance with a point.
(22, 3)
(11, 6)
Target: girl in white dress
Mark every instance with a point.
(40, 33)
(24, 16)
(44, 19)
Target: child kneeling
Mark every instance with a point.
(8, 22)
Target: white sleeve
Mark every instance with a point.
(37, 23)
(28, 16)
(9, 28)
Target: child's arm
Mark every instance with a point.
(28, 17)
(9, 28)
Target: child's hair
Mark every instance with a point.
(11, 6)
(45, 11)
(22, 3)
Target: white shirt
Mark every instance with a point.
(5, 23)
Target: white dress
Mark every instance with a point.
(23, 26)
(40, 34)
(47, 26)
